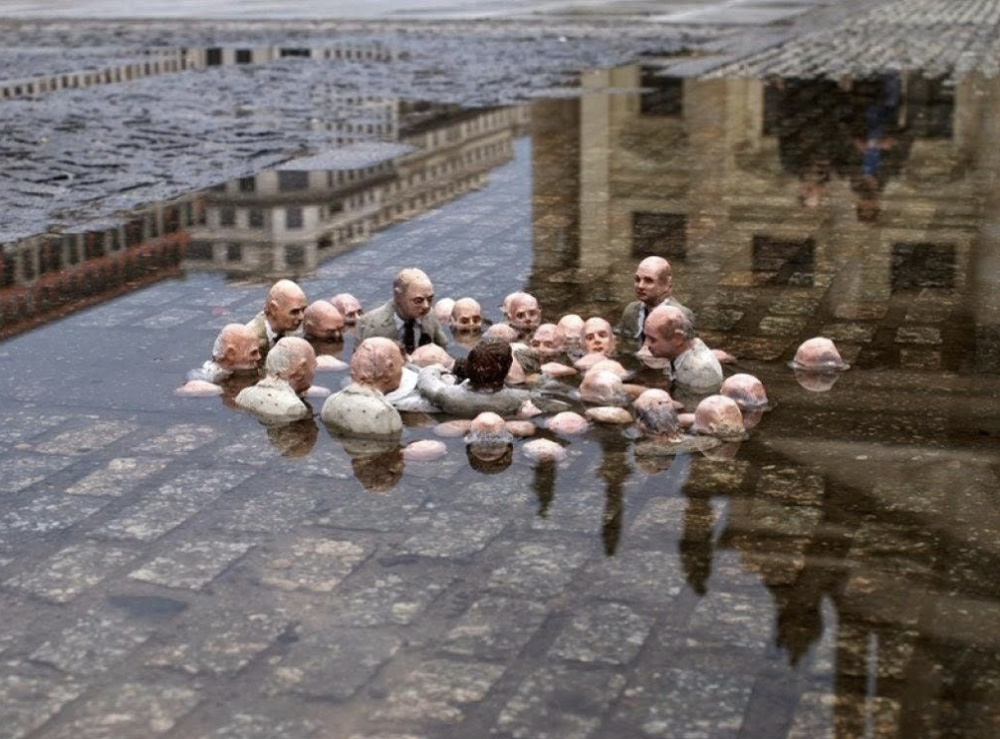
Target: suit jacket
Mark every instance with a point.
(629, 325)
(382, 322)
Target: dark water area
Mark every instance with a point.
(173, 561)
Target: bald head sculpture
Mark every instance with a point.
(523, 312)
(653, 281)
(598, 337)
(413, 293)
(668, 331)
(572, 327)
(746, 390)
(656, 415)
(323, 322)
(548, 341)
(719, 416)
(348, 306)
(377, 363)
(302, 368)
(466, 316)
(489, 432)
(430, 354)
(236, 348)
(818, 355)
(604, 388)
(285, 306)
(502, 331)
(443, 309)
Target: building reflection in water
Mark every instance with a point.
(862, 209)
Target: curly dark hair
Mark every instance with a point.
(488, 363)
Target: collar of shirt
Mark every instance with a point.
(272, 335)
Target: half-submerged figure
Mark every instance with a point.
(572, 327)
(466, 317)
(598, 343)
(284, 309)
(523, 312)
(323, 322)
(289, 369)
(749, 394)
(489, 439)
(485, 369)
(349, 307)
(719, 416)
(654, 283)
(670, 335)
(235, 350)
(361, 409)
(407, 318)
(818, 364)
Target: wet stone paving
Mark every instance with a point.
(169, 567)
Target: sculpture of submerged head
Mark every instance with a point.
(818, 355)
(523, 312)
(377, 363)
(654, 281)
(323, 322)
(548, 341)
(443, 309)
(487, 364)
(379, 472)
(429, 354)
(489, 436)
(719, 416)
(285, 306)
(294, 361)
(413, 293)
(598, 337)
(746, 390)
(603, 387)
(503, 331)
(466, 316)
(609, 365)
(572, 328)
(668, 332)
(656, 415)
(236, 348)
(349, 307)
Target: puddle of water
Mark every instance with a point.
(830, 576)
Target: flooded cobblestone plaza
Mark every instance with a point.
(171, 567)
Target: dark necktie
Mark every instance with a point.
(409, 338)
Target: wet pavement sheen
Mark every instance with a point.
(170, 567)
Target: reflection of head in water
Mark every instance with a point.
(294, 439)
(488, 430)
(487, 364)
(377, 463)
(816, 382)
(496, 460)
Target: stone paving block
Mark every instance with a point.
(257, 726)
(715, 477)
(368, 512)
(920, 359)
(699, 703)
(17, 426)
(766, 518)
(272, 512)
(855, 643)
(660, 521)
(717, 319)
(858, 333)
(47, 513)
(255, 451)
(312, 564)
(763, 348)
(69, 572)
(95, 643)
(108, 316)
(88, 439)
(861, 311)
(315, 665)
(611, 633)
(30, 696)
(540, 570)
(200, 484)
(924, 335)
(438, 690)
(148, 521)
(634, 575)
(220, 641)
(191, 564)
(782, 325)
(450, 534)
(117, 477)
(729, 620)
(829, 716)
(576, 510)
(170, 318)
(495, 628)
(19, 471)
(559, 702)
(378, 597)
(129, 710)
(792, 486)
(491, 495)
(793, 306)
(179, 440)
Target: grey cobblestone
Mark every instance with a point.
(611, 633)
(312, 564)
(95, 643)
(29, 697)
(117, 477)
(191, 565)
(495, 628)
(71, 571)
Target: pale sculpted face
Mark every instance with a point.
(572, 328)
(323, 321)
(415, 299)
(653, 281)
(443, 309)
(524, 313)
(348, 306)
(467, 316)
(285, 306)
(597, 337)
(547, 340)
(663, 339)
(240, 350)
(377, 362)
